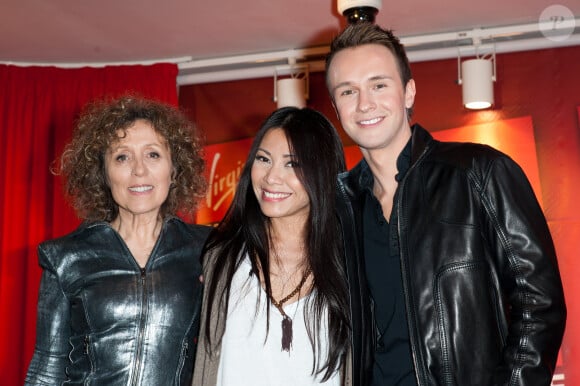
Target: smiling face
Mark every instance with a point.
(278, 190)
(369, 97)
(138, 169)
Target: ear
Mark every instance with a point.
(173, 175)
(410, 92)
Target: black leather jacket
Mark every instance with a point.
(483, 294)
(102, 320)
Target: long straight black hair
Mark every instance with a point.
(244, 229)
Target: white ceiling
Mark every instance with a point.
(121, 31)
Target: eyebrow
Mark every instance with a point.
(120, 147)
(371, 79)
(270, 154)
(341, 84)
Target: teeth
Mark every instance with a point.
(370, 121)
(275, 195)
(140, 189)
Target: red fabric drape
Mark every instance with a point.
(38, 107)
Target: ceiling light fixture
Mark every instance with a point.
(293, 89)
(359, 10)
(476, 77)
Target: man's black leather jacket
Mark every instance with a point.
(102, 320)
(483, 294)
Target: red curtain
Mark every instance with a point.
(38, 107)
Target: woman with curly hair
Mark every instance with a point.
(120, 296)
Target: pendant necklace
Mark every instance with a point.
(286, 320)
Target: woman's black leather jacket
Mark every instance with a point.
(103, 320)
(483, 294)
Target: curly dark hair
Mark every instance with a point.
(82, 162)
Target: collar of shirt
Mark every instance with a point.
(403, 165)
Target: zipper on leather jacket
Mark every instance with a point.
(186, 351)
(137, 365)
(87, 352)
(182, 358)
(420, 373)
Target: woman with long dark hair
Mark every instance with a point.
(275, 302)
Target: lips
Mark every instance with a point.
(368, 122)
(275, 195)
(141, 188)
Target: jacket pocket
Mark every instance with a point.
(467, 332)
(81, 360)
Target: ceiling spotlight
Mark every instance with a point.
(476, 77)
(359, 10)
(291, 90)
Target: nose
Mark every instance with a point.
(138, 168)
(273, 175)
(365, 101)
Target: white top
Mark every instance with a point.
(249, 356)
